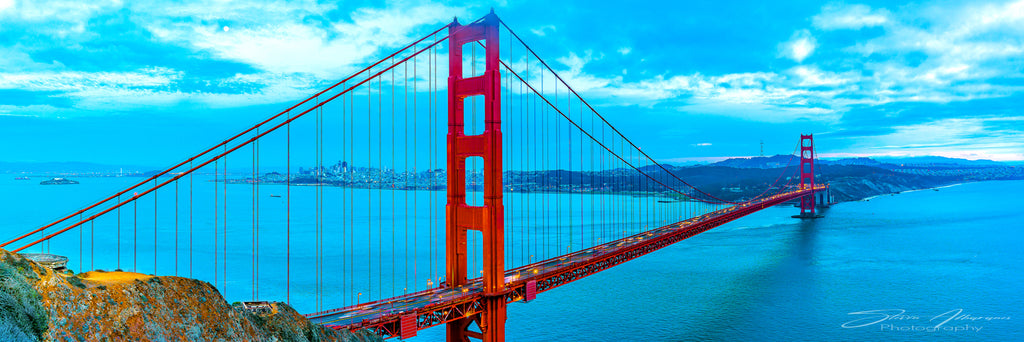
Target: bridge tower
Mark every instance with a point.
(461, 217)
(807, 208)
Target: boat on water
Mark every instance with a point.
(275, 195)
(58, 181)
(21, 178)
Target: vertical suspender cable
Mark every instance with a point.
(189, 221)
(431, 112)
(319, 206)
(176, 199)
(92, 245)
(119, 232)
(506, 113)
(224, 288)
(380, 187)
(156, 209)
(352, 192)
(252, 239)
(369, 193)
(256, 264)
(135, 234)
(345, 203)
(558, 190)
(405, 173)
(81, 240)
(523, 153)
(391, 180)
(288, 212)
(216, 219)
(545, 158)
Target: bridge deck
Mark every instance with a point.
(441, 305)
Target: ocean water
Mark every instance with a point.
(891, 268)
(767, 277)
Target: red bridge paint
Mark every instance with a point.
(489, 219)
(408, 326)
(807, 174)
(444, 305)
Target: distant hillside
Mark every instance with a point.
(864, 161)
(883, 162)
(849, 182)
(777, 160)
(65, 167)
(937, 161)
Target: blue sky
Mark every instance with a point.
(147, 83)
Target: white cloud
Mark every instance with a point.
(799, 46)
(625, 50)
(760, 111)
(754, 96)
(956, 65)
(543, 30)
(151, 87)
(575, 62)
(294, 46)
(29, 110)
(838, 16)
(958, 48)
(15, 59)
(73, 81)
(812, 76)
(64, 11)
(970, 138)
(295, 38)
(56, 18)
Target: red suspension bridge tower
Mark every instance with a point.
(461, 217)
(807, 209)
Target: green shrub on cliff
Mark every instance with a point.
(22, 317)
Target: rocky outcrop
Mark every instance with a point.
(852, 191)
(38, 304)
(22, 315)
(854, 183)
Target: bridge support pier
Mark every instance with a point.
(807, 203)
(460, 217)
(823, 199)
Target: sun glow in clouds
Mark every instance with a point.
(799, 46)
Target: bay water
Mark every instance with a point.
(920, 265)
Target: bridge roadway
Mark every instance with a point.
(441, 305)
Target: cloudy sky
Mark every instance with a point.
(146, 83)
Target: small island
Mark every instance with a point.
(58, 181)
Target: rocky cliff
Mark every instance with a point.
(855, 182)
(39, 304)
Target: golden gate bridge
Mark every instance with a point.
(540, 190)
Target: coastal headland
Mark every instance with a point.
(40, 304)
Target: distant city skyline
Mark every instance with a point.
(147, 83)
